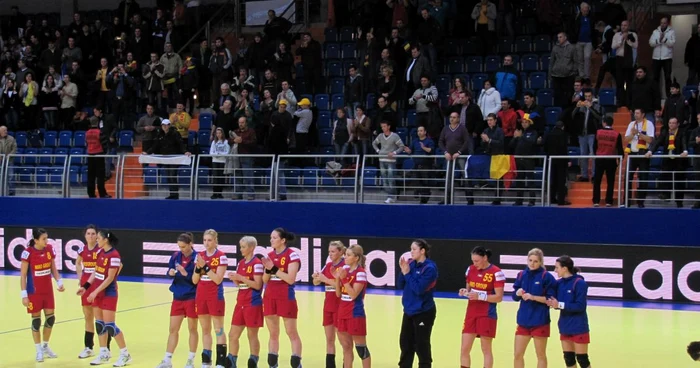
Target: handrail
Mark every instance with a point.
(563, 157)
(207, 25)
(118, 165)
(3, 169)
(195, 169)
(361, 197)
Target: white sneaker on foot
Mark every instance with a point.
(48, 353)
(101, 359)
(205, 365)
(165, 364)
(86, 353)
(190, 363)
(390, 200)
(124, 359)
(40, 356)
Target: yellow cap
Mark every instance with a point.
(283, 102)
(304, 102)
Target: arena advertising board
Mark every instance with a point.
(612, 271)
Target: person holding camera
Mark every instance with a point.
(624, 43)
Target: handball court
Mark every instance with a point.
(622, 333)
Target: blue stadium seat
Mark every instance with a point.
(56, 175)
(443, 83)
(530, 63)
(50, 139)
(328, 150)
(407, 164)
(471, 46)
(203, 175)
(321, 101)
(371, 101)
(77, 161)
(261, 176)
(478, 82)
(411, 118)
(453, 47)
(689, 90)
(544, 62)
(183, 176)
(337, 85)
(291, 176)
(203, 150)
(552, 115)
(606, 96)
(79, 139)
(41, 175)
(523, 44)
(455, 65)
(538, 80)
(25, 175)
(310, 176)
(60, 160)
(18, 159)
(403, 134)
(331, 34)
(45, 159)
(299, 71)
(505, 45)
(324, 120)
(191, 138)
(545, 97)
(334, 68)
(474, 64)
(493, 62)
(256, 102)
(524, 79)
(65, 138)
(338, 101)
(21, 138)
(74, 175)
(332, 50)
(347, 34)
(31, 160)
(205, 121)
(126, 140)
(203, 138)
(150, 176)
(370, 176)
(542, 43)
(327, 180)
(310, 97)
(348, 51)
(325, 137)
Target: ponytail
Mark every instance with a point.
(185, 238)
(111, 238)
(567, 262)
(357, 250)
(482, 251)
(36, 235)
(286, 235)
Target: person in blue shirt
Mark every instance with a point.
(532, 287)
(181, 268)
(418, 278)
(423, 146)
(573, 320)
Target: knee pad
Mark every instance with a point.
(295, 361)
(36, 324)
(570, 358)
(362, 351)
(50, 320)
(583, 361)
(100, 328)
(111, 329)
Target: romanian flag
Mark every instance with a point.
(491, 167)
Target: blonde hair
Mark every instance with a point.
(338, 245)
(250, 241)
(213, 234)
(536, 252)
(357, 250)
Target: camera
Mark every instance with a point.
(631, 37)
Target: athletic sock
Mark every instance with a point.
(168, 357)
(38, 347)
(44, 344)
(220, 354)
(124, 351)
(89, 339)
(206, 356)
(232, 360)
(253, 361)
(272, 360)
(191, 355)
(104, 350)
(330, 360)
(295, 361)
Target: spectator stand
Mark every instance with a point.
(35, 174)
(77, 174)
(243, 177)
(581, 193)
(154, 180)
(411, 179)
(318, 178)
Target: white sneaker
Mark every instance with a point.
(205, 365)
(40, 356)
(165, 364)
(48, 353)
(86, 353)
(101, 359)
(124, 359)
(390, 200)
(190, 363)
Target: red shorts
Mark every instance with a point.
(39, 302)
(353, 326)
(83, 299)
(584, 338)
(330, 318)
(481, 326)
(280, 307)
(539, 331)
(248, 316)
(183, 308)
(105, 302)
(215, 308)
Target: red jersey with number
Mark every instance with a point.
(353, 308)
(330, 304)
(486, 280)
(248, 296)
(39, 272)
(107, 260)
(206, 288)
(276, 288)
(89, 258)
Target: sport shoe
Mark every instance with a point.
(190, 363)
(124, 359)
(48, 353)
(165, 364)
(390, 200)
(40, 357)
(101, 359)
(86, 353)
(206, 365)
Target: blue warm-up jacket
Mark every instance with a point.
(572, 292)
(418, 286)
(182, 287)
(537, 282)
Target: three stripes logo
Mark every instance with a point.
(156, 256)
(603, 275)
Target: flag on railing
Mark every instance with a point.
(491, 167)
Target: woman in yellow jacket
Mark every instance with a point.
(181, 121)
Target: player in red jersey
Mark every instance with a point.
(336, 250)
(279, 300)
(209, 302)
(85, 267)
(104, 297)
(181, 269)
(248, 313)
(350, 283)
(38, 266)
(484, 289)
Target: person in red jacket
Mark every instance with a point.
(508, 118)
(96, 165)
(608, 142)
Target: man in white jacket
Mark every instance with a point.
(662, 41)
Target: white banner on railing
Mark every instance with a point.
(165, 160)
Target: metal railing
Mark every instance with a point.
(664, 175)
(36, 175)
(78, 174)
(407, 179)
(151, 180)
(619, 176)
(238, 177)
(2, 175)
(317, 178)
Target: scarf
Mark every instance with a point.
(641, 144)
(186, 69)
(671, 142)
(30, 95)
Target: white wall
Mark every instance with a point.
(684, 25)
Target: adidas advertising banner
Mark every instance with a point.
(615, 272)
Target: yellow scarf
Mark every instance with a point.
(30, 95)
(641, 144)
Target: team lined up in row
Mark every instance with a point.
(198, 296)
